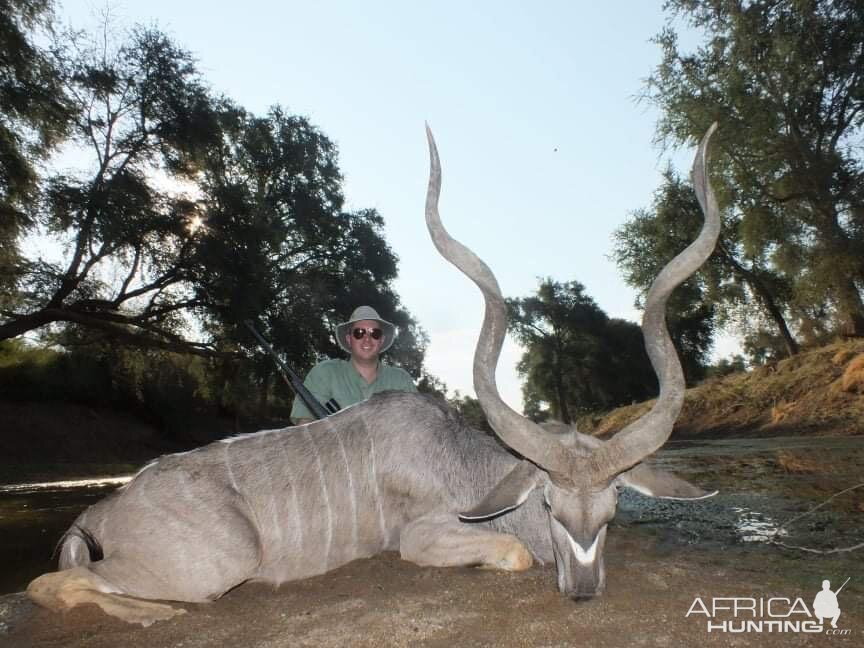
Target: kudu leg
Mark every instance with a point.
(441, 540)
(63, 590)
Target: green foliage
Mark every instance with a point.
(277, 248)
(258, 231)
(180, 394)
(726, 366)
(429, 384)
(32, 373)
(131, 107)
(783, 79)
(577, 359)
(730, 288)
(648, 241)
(34, 115)
(470, 410)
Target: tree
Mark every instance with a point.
(194, 216)
(34, 115)
(274, 245)
(729, 287)
(140, 111)
(727, 366)
(576, 359)
(469, 408)
(785, 79)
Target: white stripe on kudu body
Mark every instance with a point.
(228, 467)
(373, 480)
(325, 496)
(352, 493)
(296, 522)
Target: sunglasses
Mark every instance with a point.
(360, 333)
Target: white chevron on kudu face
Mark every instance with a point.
(582, 556)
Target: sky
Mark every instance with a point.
(544, 147)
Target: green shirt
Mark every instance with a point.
(338, 379)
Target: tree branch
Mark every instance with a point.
(773, 540)
(114, 325)
(132, 272)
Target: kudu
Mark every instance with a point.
(391, 473)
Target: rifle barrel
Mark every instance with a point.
(291, 377)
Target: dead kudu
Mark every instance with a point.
(398, 472)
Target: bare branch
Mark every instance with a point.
(132, 272)
(860, 545)
(159, 284)
(115, 326)
(783, 527)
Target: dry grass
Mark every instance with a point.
(853, 377)
(800, 463)
(614, 420)
(842, 357)
(807, 394)
(781, 411)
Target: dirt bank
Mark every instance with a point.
(66, 433)
(816, 393)
(54, 440)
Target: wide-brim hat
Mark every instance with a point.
(366, 313)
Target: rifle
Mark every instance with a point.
(293, 380)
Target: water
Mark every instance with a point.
(64, 485)
(33, 517)
(755, 526)
(765, 486)
(759, 493)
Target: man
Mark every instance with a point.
(825, 604)
(365, 336)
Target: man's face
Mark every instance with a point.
(365, 347)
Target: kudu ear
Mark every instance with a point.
(508, 494)
(659, 483)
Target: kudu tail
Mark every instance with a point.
(77, 548)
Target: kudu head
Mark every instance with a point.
(580, 475)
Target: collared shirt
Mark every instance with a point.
(339, 379)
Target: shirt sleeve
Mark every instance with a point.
(407, 381)
(319, 381)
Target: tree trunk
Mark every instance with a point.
(792, 347)
(850, 310)
(14, 328)
(560, 394)
(847, 261)
(766, 298)
(768, 301)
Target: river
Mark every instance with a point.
(763, 483)
(33, 517)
